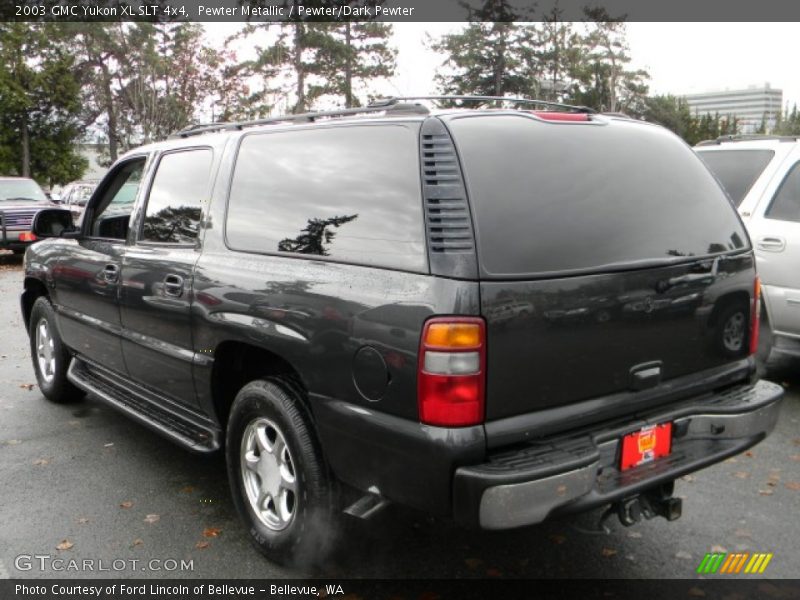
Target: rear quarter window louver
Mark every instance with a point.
(451, 241)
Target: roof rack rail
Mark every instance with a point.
(511, 100)
(747, 137)
(394, 108)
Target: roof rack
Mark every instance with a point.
(394, 108)
(396, 105)
(511, 100)
(746, 137)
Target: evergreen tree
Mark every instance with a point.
(39, 104)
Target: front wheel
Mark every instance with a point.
(280, 484)
(50, 357)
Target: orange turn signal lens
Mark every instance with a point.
(453, 335)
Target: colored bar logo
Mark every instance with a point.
(734, 563)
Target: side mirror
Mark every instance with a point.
(52, 222)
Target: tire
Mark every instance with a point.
(731, 334)
(280, 484)
(49, 355)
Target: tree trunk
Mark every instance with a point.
(26, 146)
(348, 67)
(299, 68)
(110, 113)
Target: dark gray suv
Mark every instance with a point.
(498, 315)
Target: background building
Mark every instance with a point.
(749, 106)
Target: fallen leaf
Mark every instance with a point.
(634, 534)
(26, 386)
(741, 474)
(795, 457)
(765, 492)
(473, 563)
(696, 592)
(494, 573)
(65, 545)
(83, 520)
(688, 478)
(210, 532)
(793, 485)
(40, 462)
(772, 483)
(202, 545)
(743, 533)
(187, 490)
(137, 542)
(558, 539)
(796, 441)
(683, 555)
(151, 518)
(719, 549)
(126, 504)
(608, 552)
(13, 442)
(748, 454)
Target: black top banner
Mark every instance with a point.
(398, 11)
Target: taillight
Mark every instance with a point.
(27, 236)
(755, 315)
(451, 382)
(552, 115)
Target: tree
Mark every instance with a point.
(39, 104)
(483, 60)
(607, 83)
(353, 53)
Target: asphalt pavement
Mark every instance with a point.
(84, 483)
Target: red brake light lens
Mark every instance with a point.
(451, 379)
(27, 236)
(755, 315)
(552, 115)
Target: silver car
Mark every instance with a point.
(762, 177)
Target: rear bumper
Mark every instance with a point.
(571, 474)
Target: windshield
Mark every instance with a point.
(571, 198)
(21, 190)
(737, 170)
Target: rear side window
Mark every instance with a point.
(737, 170)
(786, 205)
(351, 194)
(560, 198)
(176, 197)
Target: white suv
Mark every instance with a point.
(762, 177)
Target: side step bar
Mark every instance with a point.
(159, 414)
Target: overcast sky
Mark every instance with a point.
(680, 57)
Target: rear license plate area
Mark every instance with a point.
(645, 445)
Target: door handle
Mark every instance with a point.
(173, 285)
(110, 273)
(771, 244)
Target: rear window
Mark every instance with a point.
(737, 170)
(560, 198)
(21, 190)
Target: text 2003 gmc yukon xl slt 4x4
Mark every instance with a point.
(322, 295)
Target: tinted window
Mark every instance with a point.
(176, 197)
(737, 170)
(786, 205)
(551, 197)
(113, 211)
(348, 193)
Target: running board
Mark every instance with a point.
(161, 415)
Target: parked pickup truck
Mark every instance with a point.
(20, 199)
(326, 297)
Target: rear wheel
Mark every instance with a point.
(732, 331)
(279, 481)
(50, 357)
